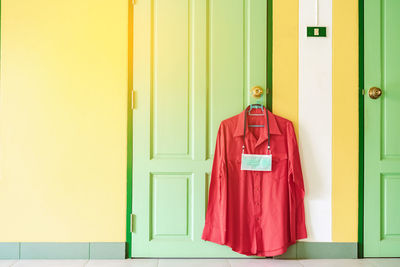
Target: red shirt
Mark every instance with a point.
(256, 212)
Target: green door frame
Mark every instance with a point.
(129, 151)
(130, 101)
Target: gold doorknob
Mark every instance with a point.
(374, 92)
(257, 91)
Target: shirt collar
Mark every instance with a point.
(273, 125)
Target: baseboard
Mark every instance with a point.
(321, 250)
(116, 250)
(62, 250)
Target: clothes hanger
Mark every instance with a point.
(256, 106)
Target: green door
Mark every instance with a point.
(194, 65)
(382, 129)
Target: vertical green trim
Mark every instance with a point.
(129, 157)
(361, 129)
(269, 53)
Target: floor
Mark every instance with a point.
(370, 262)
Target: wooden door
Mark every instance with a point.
(382, 129)
(194, 65)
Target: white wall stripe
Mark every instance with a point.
(315, 118)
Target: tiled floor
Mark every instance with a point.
(370, 262)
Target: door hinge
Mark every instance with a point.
(132, 99)
(132, 222)
(362, 91)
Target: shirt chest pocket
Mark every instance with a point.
(279, 169)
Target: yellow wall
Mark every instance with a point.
(64, 78)
(345, 121)
(285, 66)
(63, 120)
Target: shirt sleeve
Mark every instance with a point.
(296, 187)
(215, 223)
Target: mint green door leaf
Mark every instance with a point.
(382, 129)
(194, 64)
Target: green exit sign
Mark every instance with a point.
(316, 31)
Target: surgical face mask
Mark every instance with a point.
(256, 162)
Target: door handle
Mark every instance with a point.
(257, 91)
(374, 92)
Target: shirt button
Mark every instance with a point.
(257, 203)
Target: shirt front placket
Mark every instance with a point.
(256, 177)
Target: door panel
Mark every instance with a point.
(170, 102)
(382, 129)
(194, 65)
(171, 213)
